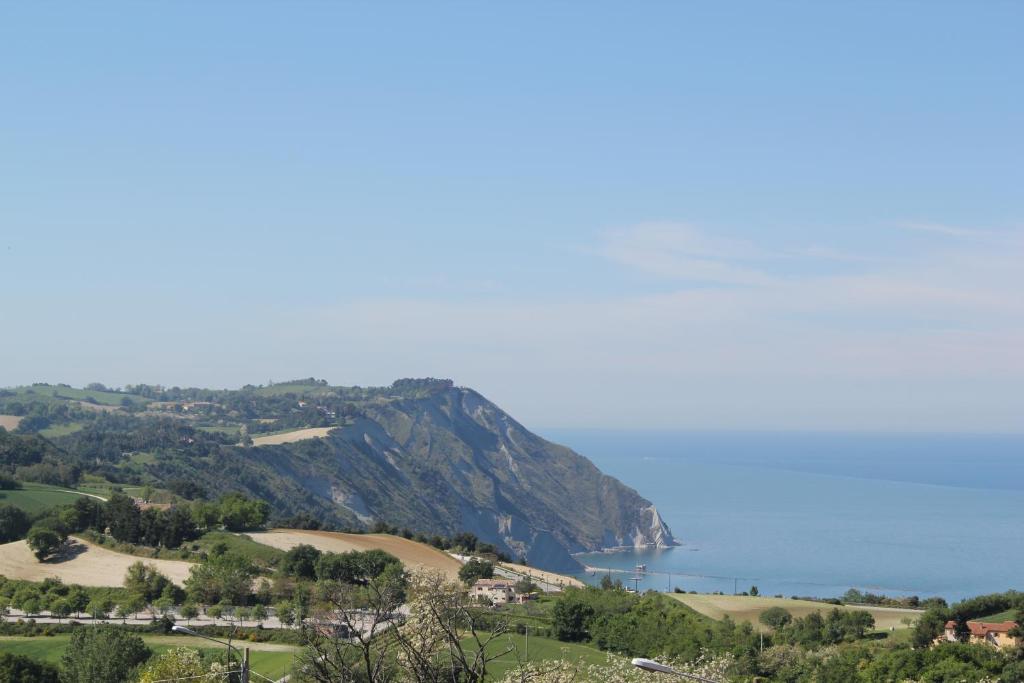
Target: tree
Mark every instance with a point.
(225, 577)
(754, 591)
(124, 518)
(182, 663)
(144, 580)
(354, 636)
(474, 570)
(189, 612)
(284, 612)
(204, 514)
(44, 542)
(102, 654)
(570, 617)
(30, 606)
(14, 523)
(301, 561)
(78, 599)
(163, 604)
(133, 603)
(775, 617)
(259, 613)
(99, 608)
(60, 609)
(26, 670)
(524, 586)
(238, 513)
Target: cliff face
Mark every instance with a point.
(434, 458)
(461, 463)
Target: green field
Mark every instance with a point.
(298, 389)
(749, 609)
(59, 430)
(1007, 615)
(242, 545)
(37, 497)
(51, 392)
(539, 649)
(271, 660)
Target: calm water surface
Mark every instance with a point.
(816, 514)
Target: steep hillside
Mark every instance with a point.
(422, 454)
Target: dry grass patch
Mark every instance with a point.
(84, 563)
(291, 437)
(746, 608)
(412, 554)
(10, 422)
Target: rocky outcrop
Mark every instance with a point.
(477, 469)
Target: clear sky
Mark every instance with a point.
(716, 215)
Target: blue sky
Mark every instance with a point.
(653, 215)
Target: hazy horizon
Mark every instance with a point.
(785, 217)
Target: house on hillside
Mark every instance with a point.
(497, 591)
(996, 634)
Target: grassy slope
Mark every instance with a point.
(107, 398)
(745, 608)
(37, 497)
(539, 649)
(59, 430)
(242, 545)
(1007, 615)
(272, 663)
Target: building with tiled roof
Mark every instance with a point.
(992, 633)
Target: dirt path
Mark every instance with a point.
(83, 563)
(411, 553)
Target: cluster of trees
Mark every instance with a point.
(650, 625)
(59, 599)
(856, 597)
(122, 517)
(476, 569)
(814, 630)
(354, 567)
(463, 542)
(32, 458)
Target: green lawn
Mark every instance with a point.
(539, 649)
(34, 498)
(1008, 615)
(272, 663)
(241, 544)
(58, 430)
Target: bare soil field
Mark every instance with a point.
(541, 575)
(745, 608)
(411, 553)
(83, 563)
(10, 422)
(291, 437)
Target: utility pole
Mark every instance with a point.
(527, 642)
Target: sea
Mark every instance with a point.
(815, 514)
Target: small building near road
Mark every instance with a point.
(991, 633)
(497, 591)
